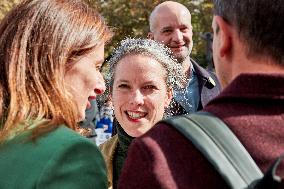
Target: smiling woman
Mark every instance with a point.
(139, 93)
(142, 76)
(51, 52)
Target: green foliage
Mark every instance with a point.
(129, 18)
(6, 5)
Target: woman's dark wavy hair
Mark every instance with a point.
(260, 24)
(39, 39)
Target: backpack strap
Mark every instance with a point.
(220, 146)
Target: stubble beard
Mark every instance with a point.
(181, 58)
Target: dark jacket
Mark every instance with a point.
(209, 87)
(253, 108)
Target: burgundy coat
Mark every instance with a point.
(252, 106)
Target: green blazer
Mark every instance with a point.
(60, 159)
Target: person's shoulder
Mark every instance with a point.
(110, 144)
(108, 149)
(55, 152)
(74, 158)
(208, 77)
(64, 138)
(63, 143)
(161, 132)
(67, 135)
(199, 70)
(159, 142)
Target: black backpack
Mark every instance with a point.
(224, 151)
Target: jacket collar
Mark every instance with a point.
(205, 78)
(250, 85)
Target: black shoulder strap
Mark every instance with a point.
(220, 146)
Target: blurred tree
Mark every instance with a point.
(129, 18)
(6, 5)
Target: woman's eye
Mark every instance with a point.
(98, 68)
(123, 86)
(150, 87)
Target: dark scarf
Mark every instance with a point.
(124, 140)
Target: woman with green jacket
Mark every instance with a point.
(50, 56)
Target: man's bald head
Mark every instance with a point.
(164, 8)
(170, 24)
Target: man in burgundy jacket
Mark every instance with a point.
(248, 51)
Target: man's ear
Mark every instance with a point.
(168, 97)
(150, 35)
(224, 33)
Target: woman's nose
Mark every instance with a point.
(137, 98)
(100, 86)
(99, 91)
